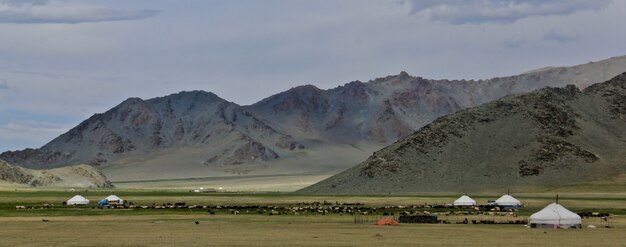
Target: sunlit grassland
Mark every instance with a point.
(91, 226)
(614, 203)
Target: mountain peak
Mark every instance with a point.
(195, 95)
(131, 101)
(392, 78)
(305, 88)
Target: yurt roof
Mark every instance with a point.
(507, 200)
(113, 198)
(555, 214)
(464, 198)
(78, 198)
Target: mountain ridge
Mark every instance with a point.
(547, 137)
(139, 126)
(198, 133)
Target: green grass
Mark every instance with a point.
(88, 226)
(611, 203)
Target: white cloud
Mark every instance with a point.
(514, 42)
(4, 85)
(498, 11)
(28, 12)
(60, 94)
(28, 134)
(23, 2)
(560, 36)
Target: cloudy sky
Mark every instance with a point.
(61, 61)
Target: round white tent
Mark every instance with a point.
(114, 200)
(464, 201)
(555, 215)
(508, 201)
(78, 200)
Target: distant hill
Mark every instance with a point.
(552, 136)
(304, 130)
(78, 176)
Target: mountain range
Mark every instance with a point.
(549, 137)
(304, 130)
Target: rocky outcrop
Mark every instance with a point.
(550, 154)
(247, 151)
(80, 176)
(13, 174)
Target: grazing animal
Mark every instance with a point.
(196, 221)
(274, 212)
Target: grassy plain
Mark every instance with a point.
(87, 226)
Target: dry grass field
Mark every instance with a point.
(86, 226)
(261, 230)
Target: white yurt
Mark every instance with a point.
(555, 215)
(508, 201)
(114, 200)
(78, 200)
(464, 201)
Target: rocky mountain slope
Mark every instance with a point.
(302, 130)
(176, 121)
(551, 136)
(79, 176)
(386, 109)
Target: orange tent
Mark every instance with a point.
(387, 222)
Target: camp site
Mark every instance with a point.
(302, 123)
(31, 217)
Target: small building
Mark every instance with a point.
(78, 200)
(507, 201)
(464, 201)
(555, 216)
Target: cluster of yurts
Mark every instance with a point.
(552, 216)
(81, 200)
